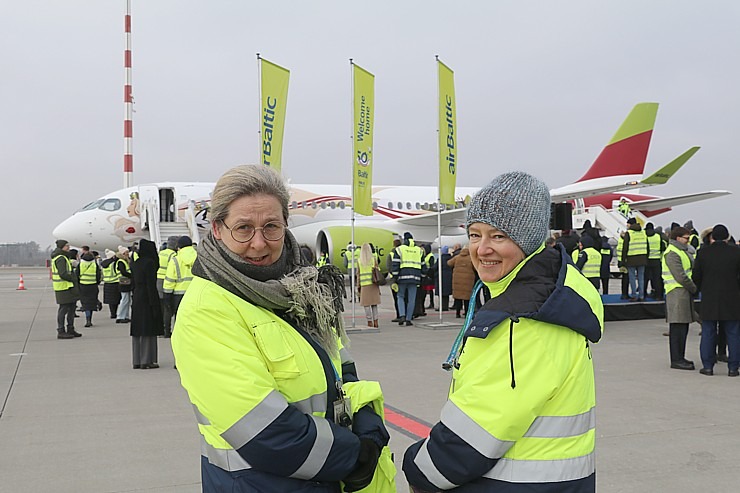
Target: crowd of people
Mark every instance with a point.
(142, 288)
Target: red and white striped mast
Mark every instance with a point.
(128, 103)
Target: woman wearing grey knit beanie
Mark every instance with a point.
(523, 375)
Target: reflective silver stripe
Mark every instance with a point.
(199, 416)
(177, 267)
(226, 459)
(314, 404)
(472, 433)
(424, 462)
(319, 452)
(169, 279)
(562, 426)
(260, 417)
(543, 471)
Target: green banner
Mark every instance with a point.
(364, 122)
(274, 87)
(447, 134)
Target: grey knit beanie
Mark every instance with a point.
(517, 204)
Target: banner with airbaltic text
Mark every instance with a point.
(364, 104)
(447, 135)
(274, 88)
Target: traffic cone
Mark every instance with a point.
(21, 286)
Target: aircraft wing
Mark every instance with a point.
(451, 221)
(666, 202)
(619, 183)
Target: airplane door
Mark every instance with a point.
(149, 197)
(167, 208)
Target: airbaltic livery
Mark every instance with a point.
(320, 215)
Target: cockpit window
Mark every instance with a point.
(110, 205)
(92, 205)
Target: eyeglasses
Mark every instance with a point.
(685, 237)
(243, 233)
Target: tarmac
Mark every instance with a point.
(75, 416)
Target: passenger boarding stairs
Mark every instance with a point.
(610, 222)
(160, 230)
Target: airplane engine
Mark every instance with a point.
(334, 241)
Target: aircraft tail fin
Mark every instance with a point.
(665, 173)
(626, 152)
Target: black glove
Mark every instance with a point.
(367, 424)
(365, 468)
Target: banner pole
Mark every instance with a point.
(352, 184)
(439, 200)
(259, 109)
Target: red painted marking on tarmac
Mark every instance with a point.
(406, 423)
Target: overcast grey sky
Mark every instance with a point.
(541, 86)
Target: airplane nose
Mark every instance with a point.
(66, 231)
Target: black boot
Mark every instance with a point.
(88, 322)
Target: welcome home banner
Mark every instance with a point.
(364, 122)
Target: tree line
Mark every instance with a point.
(25, 254)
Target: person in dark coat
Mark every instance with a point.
(717, 275)
(66, 296)
(606, 259)
(589, 230)
(569, 239)
(446, 291)
(125, 284)
(146, 312)
(88, 276)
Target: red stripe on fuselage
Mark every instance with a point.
(626, 157)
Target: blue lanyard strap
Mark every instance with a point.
(451, 360)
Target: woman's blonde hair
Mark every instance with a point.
(244, 181)
(366, 255)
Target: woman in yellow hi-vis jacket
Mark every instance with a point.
(260, 348)
(520, 413)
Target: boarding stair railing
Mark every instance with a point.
(192, 223)
(151, 209)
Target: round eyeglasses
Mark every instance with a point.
(242, 233)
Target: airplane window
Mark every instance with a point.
(375, 205)
(408, 205)
(323, 205)
(110, 205)
(92, 205)
(341, 204)
(390, 205)
(400, 206)
(303, 204)
(333, 205)
(426, 206)
(294, 205)
(313, 205)
(418, 206)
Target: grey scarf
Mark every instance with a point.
(286, 287)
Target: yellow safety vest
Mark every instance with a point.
(638, 243)
(59, 283)
(88, 272)
(243, 367)
(669, 281)
(592, 267)
(110, 274)
(654, 247)
(164, 259)
(366, 274)
(179, 271)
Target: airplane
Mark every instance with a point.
(320, 215)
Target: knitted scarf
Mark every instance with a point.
(288, 287)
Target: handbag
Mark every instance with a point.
(378, 277)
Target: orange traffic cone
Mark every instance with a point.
(21, 286)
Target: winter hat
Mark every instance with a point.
(649, 226)
(674, 226)
(689, 225)
(122, 249)
(109, 253)
(88, 257)
(184, 241)
(172, 242)
(62, 243)
(517, 204)
(659, 229)
(720, 233)
(632, 220)
(587, 241)
(445, 250)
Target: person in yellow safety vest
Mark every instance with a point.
(65, 290)
(520, 414)
(165, 255)
(89, 276)
(653, 269)
(589, 260)
(406, 272)
(677, 265)
(389, 259)
(111, 290)
(624, 208)
(369, 291)
(694, 239)
(179, 272)
(125, 284)
(625, 285)
(322, 260)
(351, 257)
(635, 257)
(260, 348)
